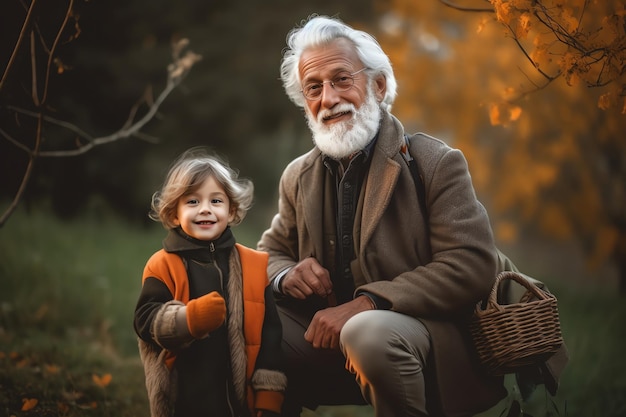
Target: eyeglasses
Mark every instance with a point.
(342, 82)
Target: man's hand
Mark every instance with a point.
(323, 332)
(308, 277)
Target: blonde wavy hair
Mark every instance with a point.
(187, 173)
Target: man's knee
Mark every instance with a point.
(376, 334)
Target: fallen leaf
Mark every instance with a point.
(102, 381)
(29, 403)
(52, 369)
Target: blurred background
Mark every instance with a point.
(538, 109)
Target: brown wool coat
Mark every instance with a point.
(438, 280)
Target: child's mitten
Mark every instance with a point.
(205, 314)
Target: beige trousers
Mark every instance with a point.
(387, 351)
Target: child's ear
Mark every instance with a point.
(232, 214)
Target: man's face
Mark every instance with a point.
(342, 122)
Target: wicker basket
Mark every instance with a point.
(511, 336)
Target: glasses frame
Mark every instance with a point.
(332, 84)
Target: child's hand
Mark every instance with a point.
(205, 314)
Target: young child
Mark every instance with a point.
(209, 333)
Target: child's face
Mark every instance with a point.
(205, 213)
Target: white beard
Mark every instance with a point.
(341, 140)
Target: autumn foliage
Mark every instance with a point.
(580, 40)
(534, 93)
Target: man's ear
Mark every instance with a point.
(380, 87)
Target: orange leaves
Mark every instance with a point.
(613, 98)
(523, 26)
(503, 113)
(52, 369)
(102, 381)
(29, 403)
(582, 42)
(50, 388)
(515, 14)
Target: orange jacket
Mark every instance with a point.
(169, 268)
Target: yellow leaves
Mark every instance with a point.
(504, 11)
(481, 25)
(515, 14)
(568, 21)
(523, 26)
(604, 102)
(613, 99)
(102, 381)
(29, 403)
(503, 113)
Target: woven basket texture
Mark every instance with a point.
(511, 336)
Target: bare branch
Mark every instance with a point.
(18, 44)
(528, 57)
(68, 13)
(33, 71)
(27, 174)
(177, 71)
(453, 5)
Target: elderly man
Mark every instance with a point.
(374, 291)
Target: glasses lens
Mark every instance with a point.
(313, 91)
(343, 82)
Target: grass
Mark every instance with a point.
(67, 348)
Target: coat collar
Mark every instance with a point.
(179, 242)
(383, 175)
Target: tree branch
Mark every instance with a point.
(453, 5)
(18, 43)
(177, 71)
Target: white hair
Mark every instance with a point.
(321, 30)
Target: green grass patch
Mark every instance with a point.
(68, 291)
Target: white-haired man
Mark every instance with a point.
(373, 290)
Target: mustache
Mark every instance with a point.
(341, 108)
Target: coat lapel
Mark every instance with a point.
(383, 175)
(378, 192)
(312, 178)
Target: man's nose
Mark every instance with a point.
(330, 96)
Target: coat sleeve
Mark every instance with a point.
(281, 239)
(159, 319)
(462, 268)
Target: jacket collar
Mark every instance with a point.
(383, 174)
(177, 241)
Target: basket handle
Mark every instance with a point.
(536, 291)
